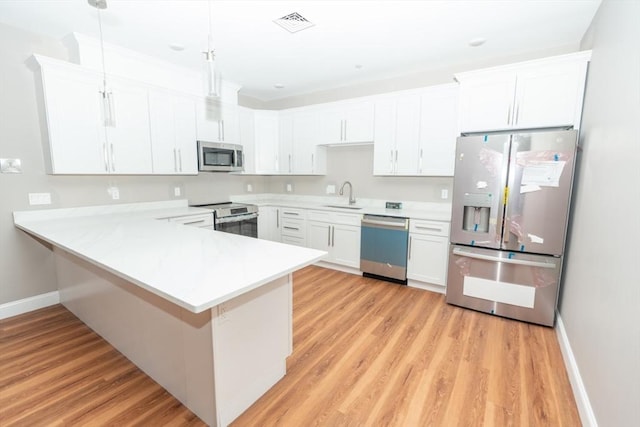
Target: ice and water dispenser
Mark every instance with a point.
(477, 209)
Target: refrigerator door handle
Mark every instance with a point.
(460, 252)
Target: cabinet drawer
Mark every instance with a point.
(292, 213)
(291, 240)
(293, 227)
(433, 228)
(334, 217)
(198, 220)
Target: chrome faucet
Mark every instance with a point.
(352, 199)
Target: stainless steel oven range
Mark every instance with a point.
(236, 218)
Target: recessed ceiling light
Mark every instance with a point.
(478, 41)
(278, 86)
(358, 66)
(176, 46)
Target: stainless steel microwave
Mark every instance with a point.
(220, 157)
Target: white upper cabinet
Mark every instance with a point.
(347, 122)
(299, 153)
(217, 121)
(416, 132)
(266, 142)
(172, 119)
(542, 93)
(79, 140)
(438, 130)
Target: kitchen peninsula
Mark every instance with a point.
(208, 315)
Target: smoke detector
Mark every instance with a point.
(294, 22)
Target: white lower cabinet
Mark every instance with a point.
(336, 233)
(293, 226)
(269, 223)
(428, 251)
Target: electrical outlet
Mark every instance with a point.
(444, 193)
(114, 192)
(249, 188)
(39, 198)
(289, 188)
(177, 192)
(223, 313)
(331, 189)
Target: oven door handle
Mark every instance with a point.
(460, 252)
(236, 218)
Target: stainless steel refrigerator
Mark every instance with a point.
(510, 208)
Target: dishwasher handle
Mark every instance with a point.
(387, 224)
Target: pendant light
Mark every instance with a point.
(107, 96)
(209, 71)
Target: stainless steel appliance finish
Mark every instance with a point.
(235, 218)
(510, 211)
(220, 157)
(384, 242)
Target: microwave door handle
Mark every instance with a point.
(460, 252)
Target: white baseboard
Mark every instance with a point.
(26, 305)
(427, 286)
(585, 410)
(338, 267)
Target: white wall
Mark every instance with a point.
(26, 266)
(600, 305)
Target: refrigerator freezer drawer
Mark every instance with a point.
(515, 285)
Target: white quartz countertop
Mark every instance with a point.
(195, 268)
(413, 210)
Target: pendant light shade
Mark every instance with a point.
(108, 109)
(209, 69)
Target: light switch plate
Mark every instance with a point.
(444, 194)
(10, 166)
(331, 189)
(114, 192)
(177, 192)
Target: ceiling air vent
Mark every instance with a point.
(294, 22)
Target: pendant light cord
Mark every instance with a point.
(104, 71)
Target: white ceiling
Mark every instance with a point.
(386, 38)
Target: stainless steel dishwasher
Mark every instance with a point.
(384, 242)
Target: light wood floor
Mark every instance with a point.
(366, 353)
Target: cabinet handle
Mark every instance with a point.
(329, 236)
(313, 169)
(345, 130)
(509, 115)
(289, 163)
(113, 160)
(420, 162)
(291, 228)
(222, 122)
(193, 222)
(175, 161)
(277, 218)
(333, 235)
(105, 155)
(180, 158)
(391, 162)
(517, 113)
(428, 228)
(410, 241)
(396, 163)
(290, 213)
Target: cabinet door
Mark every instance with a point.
(384, 144)
(331, 121)
(305, 134)
(129, 140)
(358, 122)
(172, 121)
(438, 131)
(217, 121)
(319, 236)
(486, 101)
(184, 113)
(73, 110)
(550, 95)
(427, 258)
(285, 143)
(230, 127)
(346, 245)
(266, 141)
(407, 135)
(268, 223)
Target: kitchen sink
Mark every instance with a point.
(343, 207)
